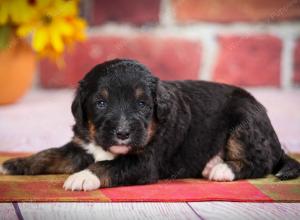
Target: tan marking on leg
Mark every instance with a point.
(103, 175)
(236, 165)
(57, 164)
(235, 152)
(62, 166)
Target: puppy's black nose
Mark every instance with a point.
(122, 134)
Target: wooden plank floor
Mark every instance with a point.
(145, 210)
(7, 212)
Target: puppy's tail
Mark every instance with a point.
(287, 167)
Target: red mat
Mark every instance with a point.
(48, 188)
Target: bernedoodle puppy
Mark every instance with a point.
(132, 128)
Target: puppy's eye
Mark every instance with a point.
(101, 104)
(141, 104)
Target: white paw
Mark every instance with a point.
(84, 180)
(210, 164)
(3, 170)
(221, 172)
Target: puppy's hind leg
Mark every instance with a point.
(252, 149)
(249, 153)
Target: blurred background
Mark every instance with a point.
(48, 46)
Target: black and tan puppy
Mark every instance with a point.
(131, 128)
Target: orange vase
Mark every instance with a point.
(17, 68)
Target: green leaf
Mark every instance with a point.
(5, 35)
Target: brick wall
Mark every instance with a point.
(247, 43)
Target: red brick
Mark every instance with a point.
(134, 11)
(249, 60)
(297, 63)
(232, 10)
(167, 58)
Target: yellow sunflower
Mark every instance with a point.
(15, 11)
(53, 25)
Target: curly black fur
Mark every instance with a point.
(170, 129)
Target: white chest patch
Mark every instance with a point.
(98, 153)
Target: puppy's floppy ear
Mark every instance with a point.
(162, 102)
(77, 105)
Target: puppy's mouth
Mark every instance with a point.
(119, 149)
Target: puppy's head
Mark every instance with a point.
(114, 106)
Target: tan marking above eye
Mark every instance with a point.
(139, 92)
(104, 93)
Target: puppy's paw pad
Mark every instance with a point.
(3, 170)
(221, 172)
(84, 180)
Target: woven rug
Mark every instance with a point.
(48, 188)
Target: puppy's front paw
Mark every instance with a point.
(83, 180)
(3, 170)
(221, 172)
